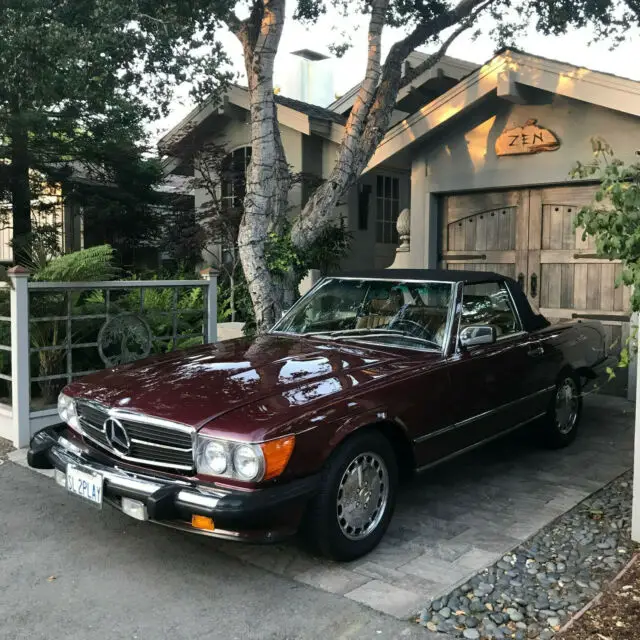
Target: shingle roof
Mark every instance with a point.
(311, 110)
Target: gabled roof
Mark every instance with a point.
(301, 116)
(452, 68)
(502, 76)
(311, 110)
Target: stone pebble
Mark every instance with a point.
(530, 593)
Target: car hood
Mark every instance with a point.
(279, 376)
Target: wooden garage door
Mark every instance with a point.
(573, 281)
(486, 232)
(529, 235)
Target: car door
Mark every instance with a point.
(490, 383)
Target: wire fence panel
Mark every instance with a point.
(80, 328)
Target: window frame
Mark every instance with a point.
(510, 302)
(387, 208)
(229, 186)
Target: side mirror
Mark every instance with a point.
(477, 335)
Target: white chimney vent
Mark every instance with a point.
(306, 75)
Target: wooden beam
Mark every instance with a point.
(509, 89)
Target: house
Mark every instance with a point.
(480, 156)
(57, 212)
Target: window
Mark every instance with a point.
(489, 303)
(387, 210)
(391, 312)
(234, 177)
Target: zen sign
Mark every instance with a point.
(529, 138)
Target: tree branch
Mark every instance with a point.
(367, 89)
(463, 11)
(434, 58)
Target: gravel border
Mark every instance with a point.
(532, 592)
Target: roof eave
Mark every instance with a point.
(604, 90)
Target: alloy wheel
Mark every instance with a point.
(363, 494)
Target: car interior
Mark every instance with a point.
(431, 321)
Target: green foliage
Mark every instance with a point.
(613, 219)
(88, 265)
(156, 305)
(324, 254)
(79, 81)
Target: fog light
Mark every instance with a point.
(134, 509)
(202, 522)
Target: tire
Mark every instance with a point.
(344, 522)
(563, 415)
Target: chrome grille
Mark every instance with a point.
(153, 442)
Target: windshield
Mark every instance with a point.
(398, 313)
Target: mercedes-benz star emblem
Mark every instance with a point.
(117, 435)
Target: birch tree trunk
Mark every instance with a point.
(268, 177)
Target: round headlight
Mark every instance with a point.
(247, 462)
(215, 457)
(67, 410)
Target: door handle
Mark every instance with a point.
(533, 285)
(536, 352)
(521, 280)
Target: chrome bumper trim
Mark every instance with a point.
(119, 479)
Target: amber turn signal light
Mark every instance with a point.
(202, 522)
(276, 455)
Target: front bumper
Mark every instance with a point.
(261, 515)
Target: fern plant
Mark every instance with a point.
(88, 265)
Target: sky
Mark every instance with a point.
(575, 47)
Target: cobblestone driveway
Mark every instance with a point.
(460, 517)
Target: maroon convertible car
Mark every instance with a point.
(365, 380)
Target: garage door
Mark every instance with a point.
(529, 235)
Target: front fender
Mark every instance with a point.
(366, 419)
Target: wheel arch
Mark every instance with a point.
(392, 429)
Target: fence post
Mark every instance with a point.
(211, 275)
(20, 374)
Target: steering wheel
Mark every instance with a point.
(412, 328)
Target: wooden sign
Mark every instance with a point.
(530, 138)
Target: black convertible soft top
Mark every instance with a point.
(530, 320)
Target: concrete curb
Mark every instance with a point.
(19, 457)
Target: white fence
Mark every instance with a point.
(52, 333)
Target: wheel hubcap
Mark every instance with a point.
(362, 496)
(566, 406)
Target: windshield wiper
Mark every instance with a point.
(384, 334)
(333, 335)
(345, 334)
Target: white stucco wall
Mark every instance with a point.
(464, 158)
(366, 253)
(235, 133)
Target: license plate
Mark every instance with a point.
(85, 483)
